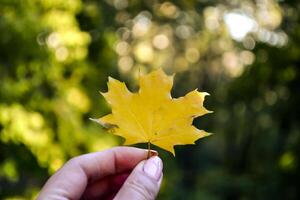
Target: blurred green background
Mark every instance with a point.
(55, 55)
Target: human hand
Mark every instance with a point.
(119, 173)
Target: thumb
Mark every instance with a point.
(143, 182)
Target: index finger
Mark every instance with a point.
(115, 160)
(71, 180)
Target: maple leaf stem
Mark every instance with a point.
(149, 150)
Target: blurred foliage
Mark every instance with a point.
(56, 54)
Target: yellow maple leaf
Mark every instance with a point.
(151, 115)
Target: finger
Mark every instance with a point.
(144, 181)
(106, 186)
(112, 161)
(71, 180)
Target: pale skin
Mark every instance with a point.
(119, 173)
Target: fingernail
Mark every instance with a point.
(153, 167)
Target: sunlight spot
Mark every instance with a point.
(120, 4)
(232, 65)
(161, 41)
(272, 38)
(169, 10)
(183, 31)
(125, 64)
(9, 169)
(144, 52)
(249, 43)
(123, 33)
(61, 53)
(247, 57)
(211, 18)
(142, 24)
(239, 25)
(192, 55)
(53, 40)
(36, 121)
(78, 99)
(123, 48)
(287, 161)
